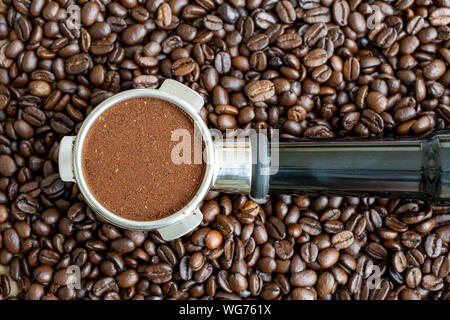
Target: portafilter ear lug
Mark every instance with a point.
(180, 228)
(65, 159)
(183, 92)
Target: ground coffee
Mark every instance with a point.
(127, 160)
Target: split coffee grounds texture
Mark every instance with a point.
(127, 160)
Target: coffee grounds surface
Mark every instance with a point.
(127, 160)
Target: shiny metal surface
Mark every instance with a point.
(233, 166)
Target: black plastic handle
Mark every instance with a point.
(387, 167)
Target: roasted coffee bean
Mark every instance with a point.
(434, 70)
(315, 58)
(228, 13)
(158, 273)
(342, 240)
(145, 81)
(309, 252)
(440, 267)
(303, 294)
(259, 91)
(258, 42)
(222, 62)
(284, 249)
(250, 207)
(304, 278)
(433, 246)
(264, 19)
(316, 15)
(183, 66)
(166, 255)
(213, 239)
(5, 286)
(399, 261)
(340, 12)
(376, 101)
(376, 251)
(286, 11)
(325, 284)
(34, 116)
(204, 273)
(386, 37)
(238, 282)
(440, 16)
(164, 15)
(267, 264)
(270, 291)
(413, 277)
(196, 261)
(351, 69)
(61, 123)
(11, 241)
(223, 282)
(212, 22)
(224, 225)
(289, 41)
(7, 165)
(411, 239)
(315, 33)
(134, 34)
(185, 269)
(432, 283)
(327, 257)
(276, 228)
(127, 279)
(122, 245)
(52, 186)
(311, 226)
(78, 63)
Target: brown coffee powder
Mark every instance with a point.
(127, 160)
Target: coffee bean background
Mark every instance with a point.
(311, 68)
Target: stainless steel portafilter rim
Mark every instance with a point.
(132, 224)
